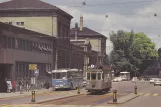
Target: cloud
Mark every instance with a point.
(142, 20)
(136, 16)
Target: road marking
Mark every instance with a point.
(122, 93)
(141, 93)
(108, 93)
(147, 94)
(155, 94)
(35, 105)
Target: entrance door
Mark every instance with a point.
(5, 72)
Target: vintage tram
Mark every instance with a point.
(99, 79)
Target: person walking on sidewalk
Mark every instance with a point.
(21, 85)
(5, 86)
(27, 85)
(13, 86)
(9, 85)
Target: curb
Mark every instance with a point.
(23, 95)
(40, 102)
(111, 102)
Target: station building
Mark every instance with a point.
(19, 48)
(42, 17)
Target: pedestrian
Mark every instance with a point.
(9, 85)
(13, 86)
(27, 86)
(47, 85)
(5, 86)
(21, 85)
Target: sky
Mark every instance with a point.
(122, 15)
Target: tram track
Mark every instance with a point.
(65, 100)
(85, 99)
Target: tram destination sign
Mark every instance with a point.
(32, 67)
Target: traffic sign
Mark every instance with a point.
(36, 72)
(32, 66)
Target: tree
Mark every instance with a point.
(130, 50)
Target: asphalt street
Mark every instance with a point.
(150, 97)
(149, 93)
(124, 88)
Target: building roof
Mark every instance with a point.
(28, 5)
(19, 30)
(86, 33)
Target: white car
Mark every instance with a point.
(152, 80)
(117, 79)
(157, 82)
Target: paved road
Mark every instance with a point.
(150, 97)
(123, 88)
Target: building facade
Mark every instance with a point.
(44, 18)
(97, 41)
(86, 46)
(19, 48)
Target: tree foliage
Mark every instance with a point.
(130, 50)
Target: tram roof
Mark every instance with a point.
(124, 72)
(94, 70)
(65, 70)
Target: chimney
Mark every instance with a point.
(81, 23)
(76, 30)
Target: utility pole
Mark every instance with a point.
(76, 31)
(56, 48)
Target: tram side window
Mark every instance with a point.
(99, 76)
(93, 76)
(88, 76)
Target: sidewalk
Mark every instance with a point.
(124, 99)
(17, 94)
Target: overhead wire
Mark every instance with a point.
(114, 3)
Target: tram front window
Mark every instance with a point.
(88, 76)
(99, 76)
(93, 76)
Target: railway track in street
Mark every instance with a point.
(84, 99)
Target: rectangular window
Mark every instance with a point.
(20, 70)
(16, 70)
(93, 76)
(27, 46)
(88, 76)
(22, 23)
(20, 42)
(10, 23)
(30, 44)
(23, 69)
(18, 23)
(13, 43)
(99, 76)
(27, 71)
(9, 42)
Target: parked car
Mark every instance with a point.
(117, 79)
(157, 82)
(152, 80)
